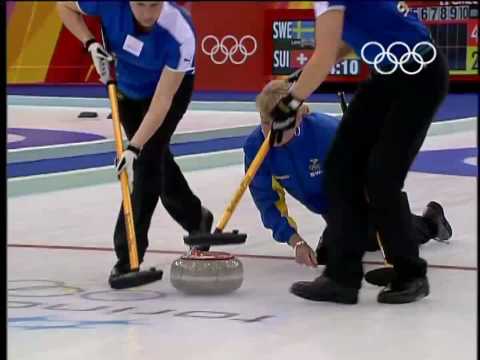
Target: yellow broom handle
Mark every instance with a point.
(252, 170)
(379, 241)
(127, 203)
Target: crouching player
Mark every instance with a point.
(295, 165)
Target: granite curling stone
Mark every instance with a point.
(206, 272)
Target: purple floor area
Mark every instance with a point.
(45, 137)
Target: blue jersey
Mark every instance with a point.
(295, 167)
(383, 21)
(141, 57)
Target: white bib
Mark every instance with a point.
(133, 45)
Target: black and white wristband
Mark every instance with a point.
(89, 42)
(134, 149)
(292, 103)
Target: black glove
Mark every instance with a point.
(283, 115)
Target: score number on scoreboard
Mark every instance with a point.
(454, 28)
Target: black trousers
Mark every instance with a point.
(375, 145)
(423, 230)
(156, 174)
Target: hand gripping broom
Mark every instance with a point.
(218, 237)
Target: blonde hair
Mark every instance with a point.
(269, 97)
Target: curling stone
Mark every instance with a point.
(206, 272)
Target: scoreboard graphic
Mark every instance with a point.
(293, 44)
(453, 25)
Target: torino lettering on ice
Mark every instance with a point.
(43, 304)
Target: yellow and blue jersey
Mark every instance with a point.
(296, 168)
(141, 57)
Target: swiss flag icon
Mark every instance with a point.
(299, 58)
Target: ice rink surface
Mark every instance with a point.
(61, 307)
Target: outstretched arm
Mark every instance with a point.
(72, 18)
(162, 99)
(179, 61)
(71, 15)
(328, 35)
(343, 51)
(269, 198)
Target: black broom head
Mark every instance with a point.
(216, 238)
(135, 278)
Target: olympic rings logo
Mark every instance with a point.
(220, 53)
(405, 58)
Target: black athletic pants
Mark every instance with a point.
(375, 145)
(156, 174)
(423, 231)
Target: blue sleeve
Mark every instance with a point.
(93, 8)
(270, 202)
(173, 57)
(181, 55)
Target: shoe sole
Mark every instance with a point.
(403, 300)
(335, 300)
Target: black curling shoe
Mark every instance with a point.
(405, 292)
(324, 289)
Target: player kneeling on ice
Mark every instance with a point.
(295, 165)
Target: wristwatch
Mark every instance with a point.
(297, 244)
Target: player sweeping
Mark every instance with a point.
(153, 43)
(375, 144)
(296, 165)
